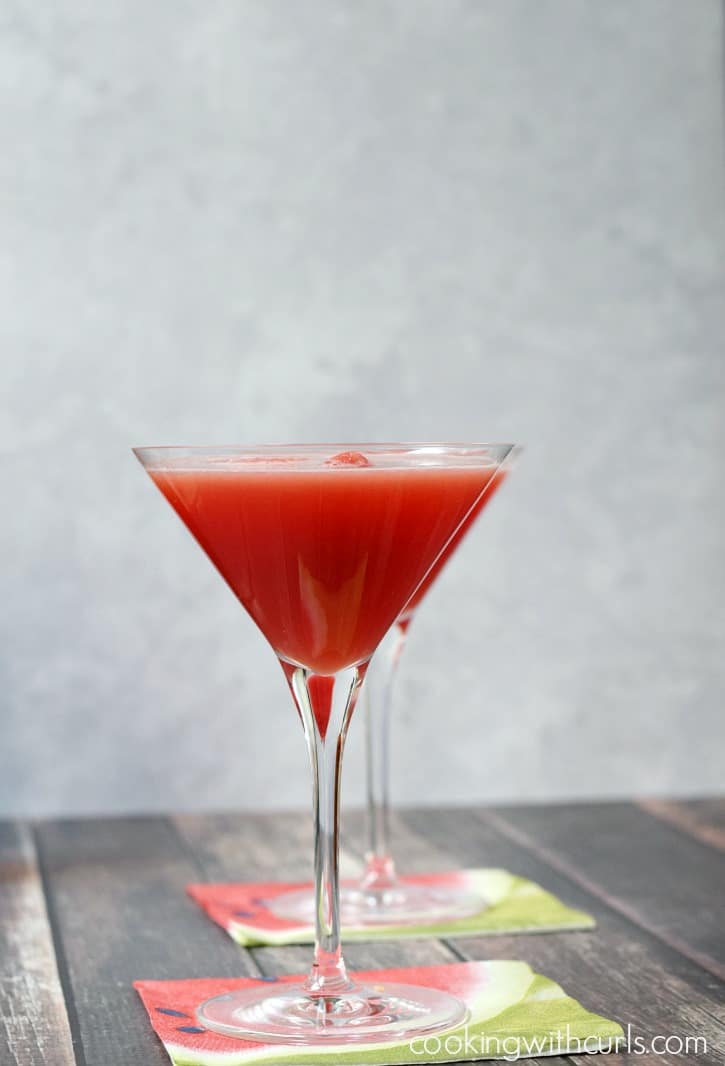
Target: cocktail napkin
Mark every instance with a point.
(513, 1013)
(514, 905)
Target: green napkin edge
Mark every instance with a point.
(527, 908)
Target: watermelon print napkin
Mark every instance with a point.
(515, 905)
(513, 1013)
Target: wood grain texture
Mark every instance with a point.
(619, 969)
(88, 906)
(34, 1029)
(702, 819)
(116, 888)
(245, 847)
(661, 879)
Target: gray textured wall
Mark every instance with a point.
(260, 220)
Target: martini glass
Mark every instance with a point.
(380, 898)
(324, 545)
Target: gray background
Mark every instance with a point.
(269, 220)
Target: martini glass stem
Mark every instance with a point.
(380, 873)
(326, 704)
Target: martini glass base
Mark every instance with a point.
(362, 1015)
(395, 904)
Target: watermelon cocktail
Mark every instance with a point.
(324, 545)
(381, 899)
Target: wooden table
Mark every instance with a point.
(87, 906)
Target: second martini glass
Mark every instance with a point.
(323, 545)
(381, 898)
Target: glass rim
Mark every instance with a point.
(317, 447)
(393, 454)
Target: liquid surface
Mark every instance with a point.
(322, 557)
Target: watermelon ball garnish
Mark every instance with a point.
(348, 459)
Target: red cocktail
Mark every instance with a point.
(321, 557)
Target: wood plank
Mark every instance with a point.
(243, 846)
(34, 1028)
(666, 882)
(231, 846)
(702, 819)
(619, 969)
(116, 889)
